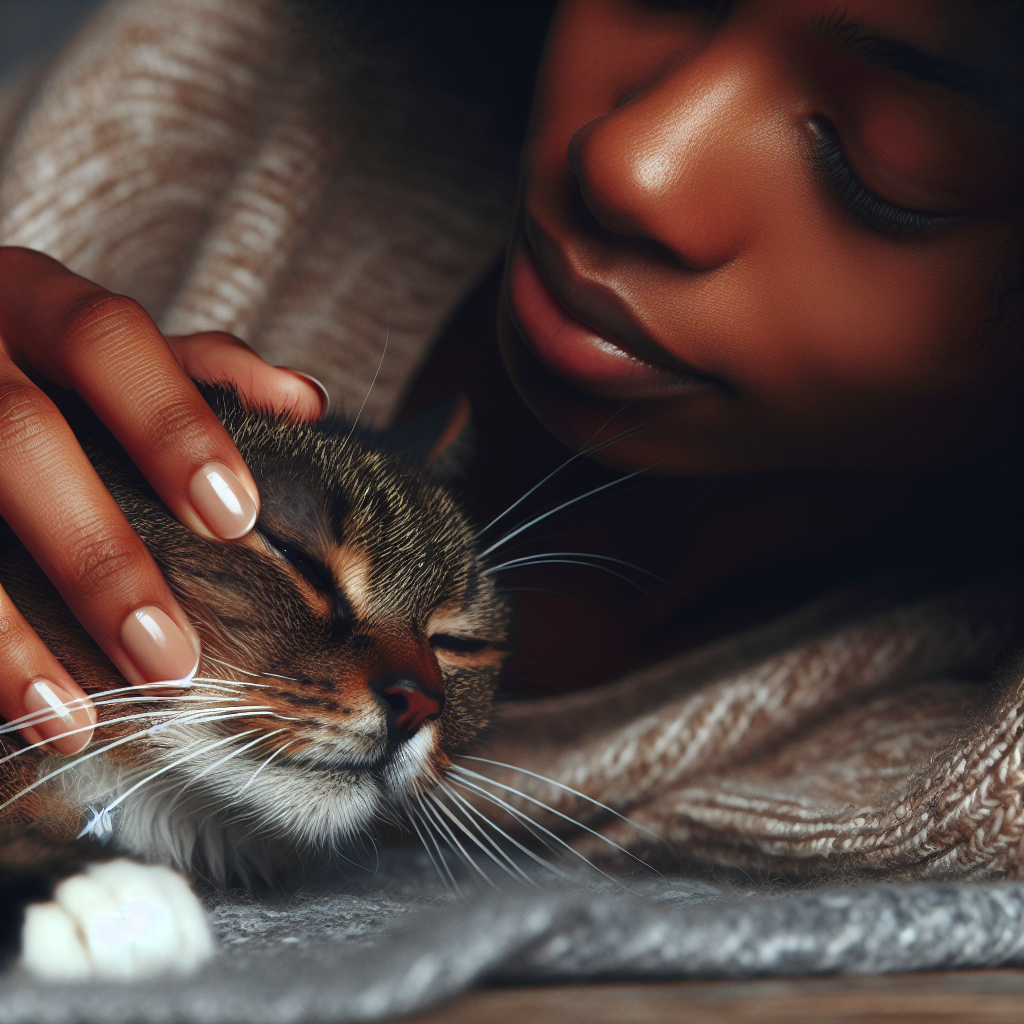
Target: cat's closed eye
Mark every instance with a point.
(312, 570)
(458, 644)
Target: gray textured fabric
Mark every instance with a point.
(373, 954)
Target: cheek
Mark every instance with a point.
(869, 319)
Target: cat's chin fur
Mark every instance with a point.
(231, 825)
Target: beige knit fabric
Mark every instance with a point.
(190, 153)
(869, 747)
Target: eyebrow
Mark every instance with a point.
(905, 58)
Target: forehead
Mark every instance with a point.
(362, 511)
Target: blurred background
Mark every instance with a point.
(31, 28)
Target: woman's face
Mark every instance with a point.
(767, 238)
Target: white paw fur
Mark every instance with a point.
(116, 920)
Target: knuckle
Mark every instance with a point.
(26, 416)
(12, 636)
(98, 560)
(92, 317)
(178, 423)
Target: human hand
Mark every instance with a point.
(61, 327)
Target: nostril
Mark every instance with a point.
(409, 704)
(396, 700)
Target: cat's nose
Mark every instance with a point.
(409, 703)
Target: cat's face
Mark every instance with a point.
(352, 635)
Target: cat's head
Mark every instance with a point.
(352, 635)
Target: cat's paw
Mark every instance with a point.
(116, 920)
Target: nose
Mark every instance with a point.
(679, 165)
(408, 703)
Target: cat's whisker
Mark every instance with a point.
(564, 788)
(188, 783)
(151, 731)
(246, 672)
(476, 813)
(583, 453)
(501, 542)
(227, 664)
(74, 764)
(439, 862)
(430, 820)
(435, 808)
(265, 764)
(227, 757)
(19, 723)
(587, 555)
(99, 725)
(232, 684)
(451, 883)
(156, 774)
(540, 803)
(522, 563)
(541, 834)
(466, 784)
(369, 390)
(105, 811)
(510, 868)
(47, 714)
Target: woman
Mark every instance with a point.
(766, 253)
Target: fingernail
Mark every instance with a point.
(159, 649)
(61, 725)
(325, 398)
(222, 502)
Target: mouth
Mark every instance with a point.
(574, 346)
(378, 759)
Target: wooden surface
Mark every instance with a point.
(970, 997)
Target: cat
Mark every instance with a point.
(352, 645)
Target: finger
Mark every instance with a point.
(37, 692)
(107, 348)
(75, 531)
(216, 356)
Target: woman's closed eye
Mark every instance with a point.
(866, 207)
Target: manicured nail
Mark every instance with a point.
(61, 725)
(159, 649)
(222, 501)
(325, 398)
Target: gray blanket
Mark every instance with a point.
(399, 943)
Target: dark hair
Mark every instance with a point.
(486, 51)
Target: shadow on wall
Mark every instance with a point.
(28, 28)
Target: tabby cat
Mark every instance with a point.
(352, 645)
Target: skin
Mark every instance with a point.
(677, 268)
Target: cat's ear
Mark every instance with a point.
(439, 439)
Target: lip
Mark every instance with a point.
(578, 353)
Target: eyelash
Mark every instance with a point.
(308, 567)
(457, 644)
(861, 203)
